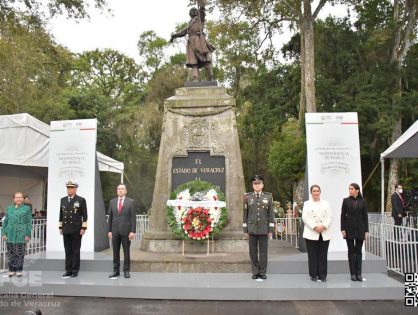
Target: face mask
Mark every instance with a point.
(400, 190)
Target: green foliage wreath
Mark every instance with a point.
(197, 223)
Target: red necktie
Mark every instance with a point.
(120, 206)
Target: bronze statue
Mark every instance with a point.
(198, 52)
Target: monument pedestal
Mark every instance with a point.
(199, 141)
(228, 242)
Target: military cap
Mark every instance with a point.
(257, 178)
(71, 184)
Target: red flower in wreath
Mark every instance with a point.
(196, 223)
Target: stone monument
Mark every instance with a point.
(199, 141)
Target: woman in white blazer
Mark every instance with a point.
(317, 217)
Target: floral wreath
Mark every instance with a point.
(196, 210)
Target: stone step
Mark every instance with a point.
(295, 263)
(209, 286)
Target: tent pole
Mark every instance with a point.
(382, 160)
(121, 178)
(382, 241)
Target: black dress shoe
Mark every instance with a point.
(126, 274)
(114, 275)
(255, 277)
(66, 275)
(323, 279)
(314, 278)
(359, 278)
(264, 277)
(74, 274)
(353, 278)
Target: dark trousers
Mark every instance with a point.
(397, 230)
(354, 256)
(118, 239)
(258, 245)
(16, 255)
(398, 220)
(317, 257)
(72, 244)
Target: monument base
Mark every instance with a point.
(164, 242)
(191, 262)
(161, 252)
(200, 83)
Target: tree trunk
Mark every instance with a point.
(394, 166)
(308, 30)
(302, 102)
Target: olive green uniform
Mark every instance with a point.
(258, 222)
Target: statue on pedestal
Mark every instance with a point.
(199, 50)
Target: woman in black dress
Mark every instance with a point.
(354, 228)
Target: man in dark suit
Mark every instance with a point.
(72, 225)
(398, 205)
(122, 227)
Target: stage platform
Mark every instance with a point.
(287, 280)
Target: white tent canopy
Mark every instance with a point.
(24, 141)
(406, 146)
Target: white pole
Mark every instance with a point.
(382, 160)
(121, 178)
(382, 241)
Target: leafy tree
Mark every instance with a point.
(72, 8)
(152, 50)
(114, 74)
(269, 15)
(268, 101)
(236, 53)
(33, 69)
(287, 157)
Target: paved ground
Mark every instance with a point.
(93, 306)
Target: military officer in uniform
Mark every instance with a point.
(72, 225)
(258, 224)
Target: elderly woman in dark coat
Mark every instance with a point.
(16, 232)
(354, 228)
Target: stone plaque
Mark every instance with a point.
(198, 165)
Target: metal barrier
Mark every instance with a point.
(408, 221)
(3, 251)
(288, 229)
(37, 241)
(142, 224)
(36, 244)
(398, 244)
